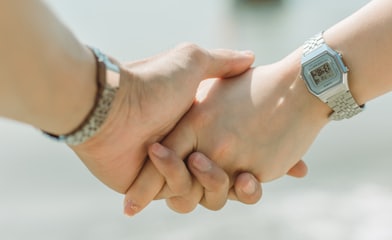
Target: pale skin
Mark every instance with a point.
(265, 120)
(48, 80)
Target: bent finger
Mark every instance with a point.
(178, 178)
(143, 190)
(188, 202)
(247, 189)
(212, 178)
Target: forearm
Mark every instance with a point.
(47, 76)
(365, 41)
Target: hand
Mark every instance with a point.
(153, 95)
(260, 122)
(214, 181)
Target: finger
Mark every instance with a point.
(188, 64)
(219, 63)
(232, 195)
(247, 189)
(173, 169)
(210, 187)
(186, 203)
(182, 140)
(299, 170)
(143, 190)
(225, 63)
(213, 179)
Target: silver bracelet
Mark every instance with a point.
(103, 102)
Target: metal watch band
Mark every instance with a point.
(104, 99)
(342, 103)
(312, 43)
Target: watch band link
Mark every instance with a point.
(312, 43)
(343, 104)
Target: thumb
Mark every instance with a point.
(197, 64)
(204, 64)
(223, 63)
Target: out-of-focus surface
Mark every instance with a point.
(47, 193)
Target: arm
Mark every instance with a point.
(364, 39)
(265, 120)
(47, 76)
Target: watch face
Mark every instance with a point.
(321, 73)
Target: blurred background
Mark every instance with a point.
(47, 193)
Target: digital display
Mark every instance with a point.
(322, 73)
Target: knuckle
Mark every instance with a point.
(219, 182)
(194, 53)
(182, 188)
(168, 169)
(216, 206)
(189, 47)
(216, 184)
(180, 206)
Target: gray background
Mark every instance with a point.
(47, 193)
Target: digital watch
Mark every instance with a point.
(325, 76)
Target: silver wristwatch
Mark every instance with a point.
(103, 102)
(325, 76)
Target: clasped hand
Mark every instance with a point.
(153, 96)
(245, 125)
(259, 122)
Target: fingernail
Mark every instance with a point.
(201, 163)
(248, 53)
(250, 188)
(130, 208)
(159, 150)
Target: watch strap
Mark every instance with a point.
(343, 105)
(313, 43)
(102, 106)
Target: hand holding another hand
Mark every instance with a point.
(261, 122)
(153, 95)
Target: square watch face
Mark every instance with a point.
(321, 74)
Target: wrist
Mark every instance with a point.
(312, 106)
(73, 96)
(104, 96)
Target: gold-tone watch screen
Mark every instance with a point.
(322, 73)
